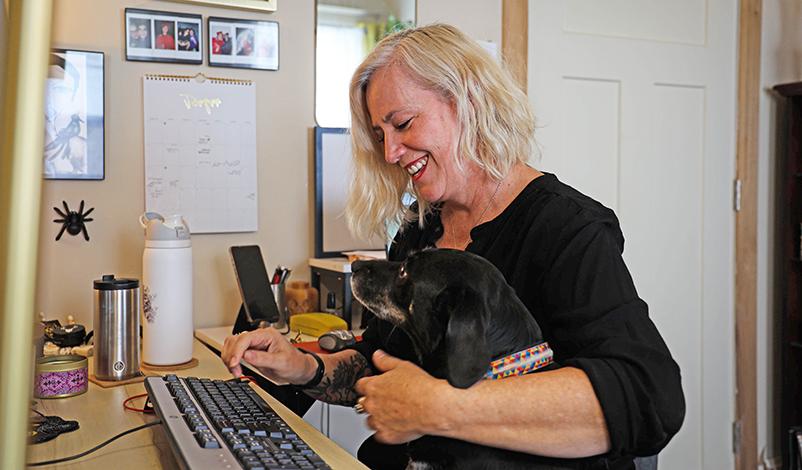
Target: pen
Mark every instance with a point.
(285, 274)
(276, 276)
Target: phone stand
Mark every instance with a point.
(245, 324)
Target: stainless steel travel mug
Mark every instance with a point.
(116, 324)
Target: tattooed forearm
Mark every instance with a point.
(337, 385)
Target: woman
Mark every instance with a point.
(193, 40)
(434, 115)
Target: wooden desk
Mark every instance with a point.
(101, 415)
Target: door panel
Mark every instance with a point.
(681, 21)
(635, 107)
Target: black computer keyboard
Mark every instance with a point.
(222, 424)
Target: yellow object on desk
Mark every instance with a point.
(315, 324)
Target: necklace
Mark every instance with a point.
(463, 243)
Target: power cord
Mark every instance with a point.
(99, 446)
(145, 408)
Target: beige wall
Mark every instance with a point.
(285, 113)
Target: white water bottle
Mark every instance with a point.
(166, 291)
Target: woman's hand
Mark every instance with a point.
(271, 353)
(402, 402)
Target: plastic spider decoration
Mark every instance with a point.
(73, 222)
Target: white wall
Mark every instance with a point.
(479, 20)
(781, 62)
(285, 114)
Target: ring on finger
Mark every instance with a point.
(360, 407)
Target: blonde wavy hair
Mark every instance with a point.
(495, 121)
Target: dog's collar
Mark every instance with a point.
(521, 362)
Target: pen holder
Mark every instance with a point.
(280, 294)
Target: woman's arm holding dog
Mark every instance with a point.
(554, 413)
(274, 356)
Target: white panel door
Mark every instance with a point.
(635, 101)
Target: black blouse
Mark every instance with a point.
(561, 252)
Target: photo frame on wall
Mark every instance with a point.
(161, 36)
(74, 116)
(250, 44)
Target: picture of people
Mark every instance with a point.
(166, 37)
(265, 47)
(221, 42)
(227, 44)
(160, 36)
(139, 33)
(188, 37)
(244, 41)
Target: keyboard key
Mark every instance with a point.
(224, 425)
(207, 441)
(244, 453)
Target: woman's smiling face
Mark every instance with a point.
(419, 131)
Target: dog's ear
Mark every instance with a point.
(467, 353)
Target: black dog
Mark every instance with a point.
(460, 314)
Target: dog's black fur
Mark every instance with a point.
(459, 314)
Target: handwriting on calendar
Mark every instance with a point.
(205, 103)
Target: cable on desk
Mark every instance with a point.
(93, 449)
(131, 408)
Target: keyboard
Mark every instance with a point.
(225, 424)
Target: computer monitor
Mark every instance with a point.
(333, 160)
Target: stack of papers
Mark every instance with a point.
(365, 255)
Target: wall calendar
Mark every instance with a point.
(200, 151)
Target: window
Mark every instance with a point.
(346, 32)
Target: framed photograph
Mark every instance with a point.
(254, 5)
(160, 36)
(243, 43)
(74, 104)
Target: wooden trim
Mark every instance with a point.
(21, 141)
(515, 38)
(746, 233)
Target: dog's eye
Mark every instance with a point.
(402, 273)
